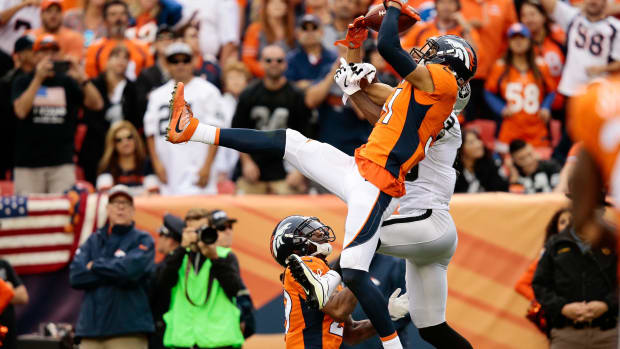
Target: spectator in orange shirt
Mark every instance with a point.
(276, 26)
(71, 42)
(116, 18)
(520, 91)
(491, 18)
(449, 21)
(87, 20)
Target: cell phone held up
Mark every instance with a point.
(207, 234)
(61, 67)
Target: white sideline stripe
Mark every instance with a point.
(36, 240)
(36, 258)
(45, 205)
(34, 222)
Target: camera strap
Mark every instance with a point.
(187, 268)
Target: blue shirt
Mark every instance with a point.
(300, 67)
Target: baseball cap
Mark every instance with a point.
(45, 4)
(45, 41)
(179, 48)
(24, 43)
(218, 218)
(172, 227)
(519, 29)
(118, 190)
(308, 18)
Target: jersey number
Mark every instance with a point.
(267, 121)
(596, 40)
(288, 305)
(520, 98)
(388, 106)
(336, 328)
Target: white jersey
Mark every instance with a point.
(588, 44)
(27, 18)
(183, 161)
(226, 158)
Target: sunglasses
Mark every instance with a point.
(223, 226)
(277, 60)
(309, 28)
(120, 139)
(185, 60)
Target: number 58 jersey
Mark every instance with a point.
(306, 328)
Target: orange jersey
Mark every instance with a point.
(409, 123)
(250, 49)
(550, 50)
(71, 42)
(594, 119)
(307, 328)
(495, 16)
(97, 56)
(523, 94)
(417, 36)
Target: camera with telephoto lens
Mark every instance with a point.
(207, 234)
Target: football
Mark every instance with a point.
(375, 16)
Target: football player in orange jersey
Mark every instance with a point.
(306, 327)
(372, 181)
(594, 120)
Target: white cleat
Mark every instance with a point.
(316, 288)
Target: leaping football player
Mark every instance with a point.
(372, 181)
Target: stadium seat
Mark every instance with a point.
(486, 130)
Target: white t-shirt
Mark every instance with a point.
(434, 186)
(219, 23)
(226, 158)
(27, 18)
(183, 161)
(588, 44)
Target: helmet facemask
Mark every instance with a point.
(316, 237)
(426, 53)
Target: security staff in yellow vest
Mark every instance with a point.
(203, 280)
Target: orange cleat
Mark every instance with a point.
(181, 125)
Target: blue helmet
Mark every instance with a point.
(293, 236)
(452, 51)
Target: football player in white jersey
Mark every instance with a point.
(592, 41)
(423, 233)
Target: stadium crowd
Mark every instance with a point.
(86, 86)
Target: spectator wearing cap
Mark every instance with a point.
(204, 281)
(71, 42)
(24, 64)
(306, 62)
(116, 19)
(154, 14)
(169, 240)
(520, 91)
(182, 169)
(16, 17)
(46, 103)
(113, 267)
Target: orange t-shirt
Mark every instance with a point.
(417, 36)
(302, 324)
(98, 53)
(496, 17)
(523, 93)
(409, 123)
(250, 47)
(71, 42)
(145, 29)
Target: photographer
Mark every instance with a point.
(46, 104)
(204, 280)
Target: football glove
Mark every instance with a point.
(398, 306)
(356, 34)
(350, 75)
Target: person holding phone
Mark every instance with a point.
(46, 103)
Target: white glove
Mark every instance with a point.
(398, 306)
(349, 76)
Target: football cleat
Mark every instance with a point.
(181, 123)
(315, 288)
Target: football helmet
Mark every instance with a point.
(450, 50)
(294, 234)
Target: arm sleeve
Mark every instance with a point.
(226, 271)
(79, 276)
(547, 101)
(496, 103)
(137, 262)
(389, 45)
(563, 14)
(543, 287)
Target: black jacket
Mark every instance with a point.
(565, 275)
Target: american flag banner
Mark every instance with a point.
(40, 233)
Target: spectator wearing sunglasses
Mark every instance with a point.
(120, 102)
(183, 169)
(124, 161)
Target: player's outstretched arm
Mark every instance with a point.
(390, 49)
(356, 332)
(365, 107)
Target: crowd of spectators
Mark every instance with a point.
(86, 86)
